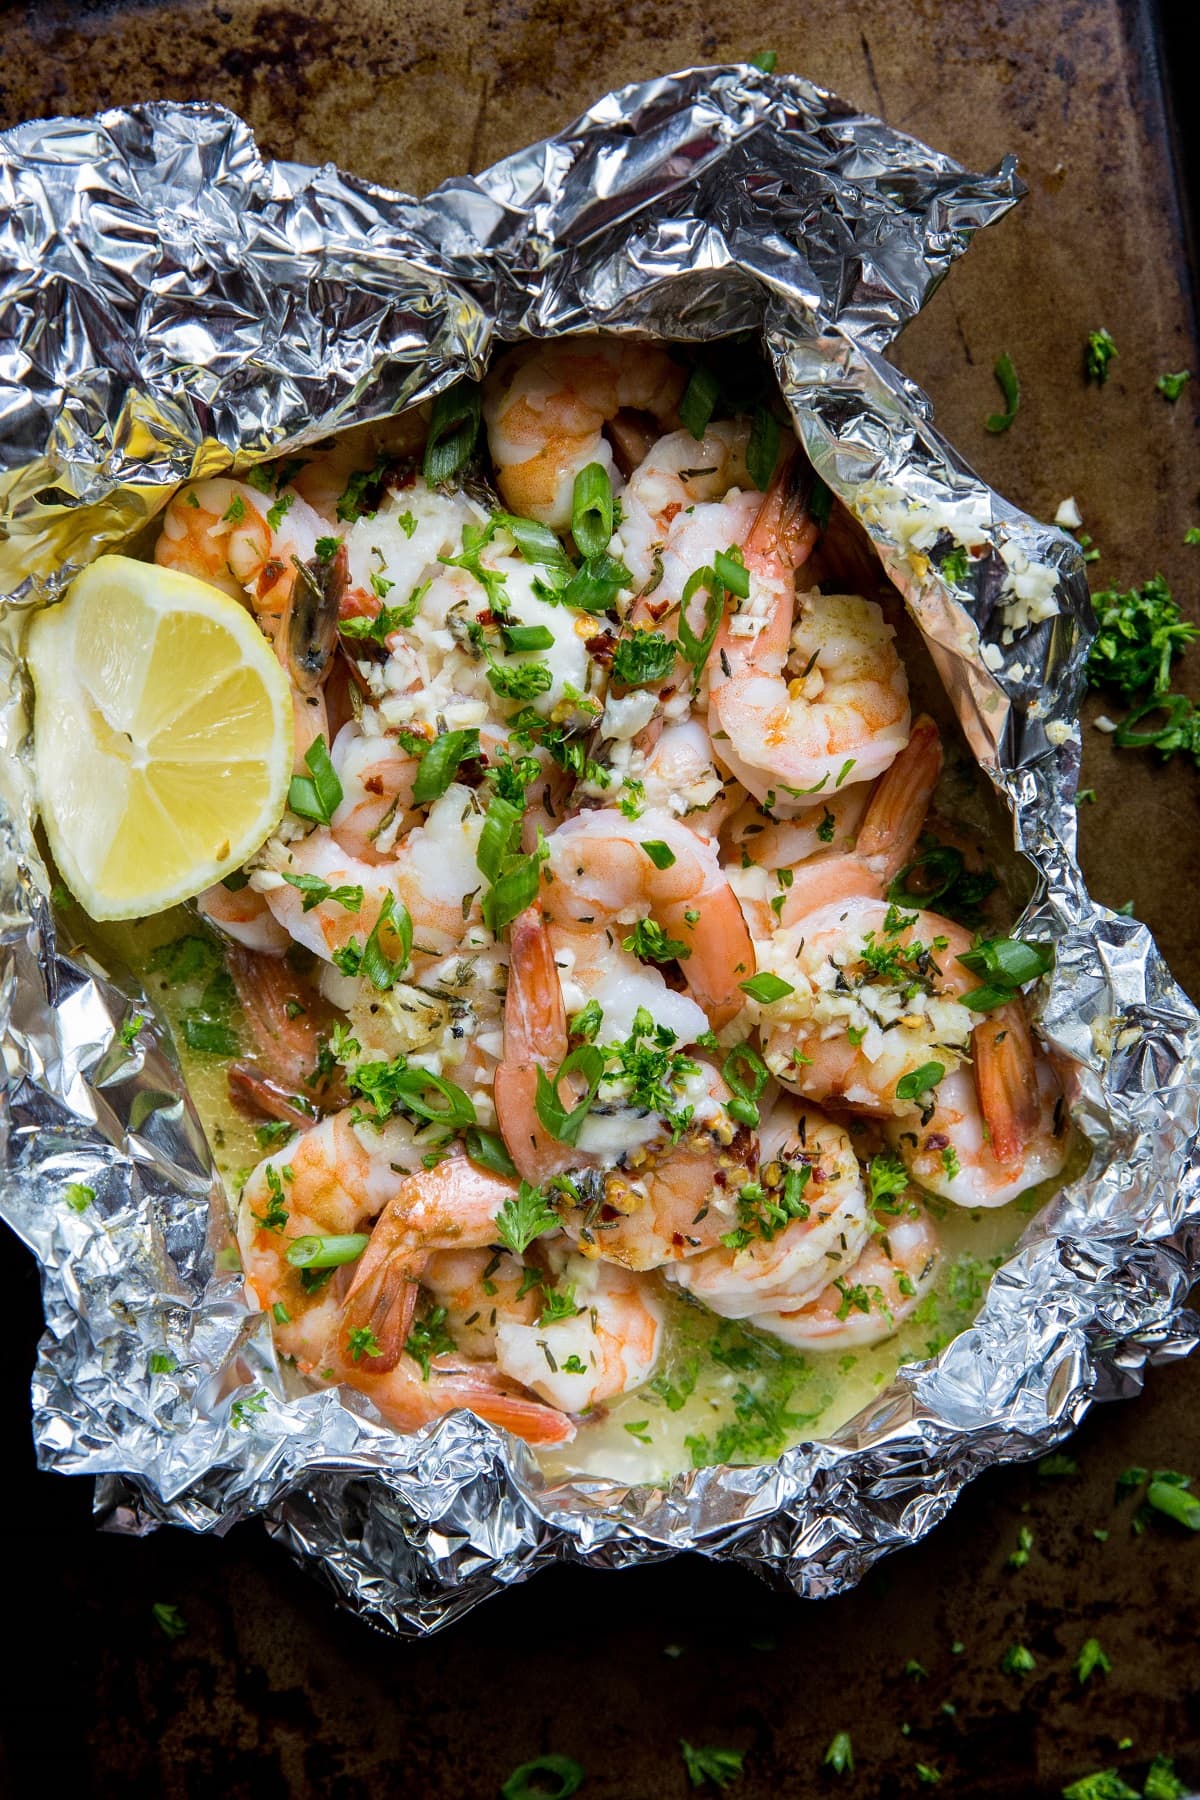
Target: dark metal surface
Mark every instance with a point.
(271, 1692)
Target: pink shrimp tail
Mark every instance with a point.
(288, 1020)
(892, 822)
(535, 1037)
(1006, 1079)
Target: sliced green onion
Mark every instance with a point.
(660, 854)
(731, 570)
(1168, 1497)
(762, 452)
(526, 637)
(500, 830)
(697, 649)
(327, 1252)
(382, 967)
(532, 1781)
(750, 1084)
(592, 510)
(439, 764)
(699, 400)
(537, 543)
(319, 798)
(1008, 962)
(1010, 387)
(920, 1082)
(508, 897)
(943, 865)
(413, 1088)
(743, 1110)
(561, 1124)
(766, 988)
(1177, 708)
(453, 429)
(488, 1150)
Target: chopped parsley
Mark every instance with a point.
(78, 1196)
(523, 1218)
(642, 658)
(1090, 1659)
(1018, 1660)
(840, 1755)
(649, 941)
(169, 1619)
(429, 1338)
(1098, 353)
(1171, 386)
(1140, 632)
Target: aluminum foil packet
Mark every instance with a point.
(168, 301)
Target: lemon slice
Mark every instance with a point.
(162, 736)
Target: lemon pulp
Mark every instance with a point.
(162, 735)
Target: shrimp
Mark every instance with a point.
(951, 1153)
(433, 874)
(333, 1180)
(785, 1261)
(600, 873)
(376, 808)
(678, 773)
(242, 914)
(872, 1300)
(289, 1022)
(219, 530)
(666, 1197)
(546, 406)
(577, 1340)
(846, 714)
(683, 502)
(880, 1004)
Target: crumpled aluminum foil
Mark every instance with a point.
(169, 300)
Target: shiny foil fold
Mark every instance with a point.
(168, 301)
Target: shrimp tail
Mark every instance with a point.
(784, 532)
(535, 1037)
(288, 1021)
(1006, 1079)
(500, 1401)
(892, 822)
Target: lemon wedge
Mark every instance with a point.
(162, 736)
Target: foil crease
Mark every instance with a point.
(170, 301)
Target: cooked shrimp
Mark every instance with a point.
(333, 1180)
(786, 1260)
(433, 873)
(685, 501)
(546, 406)
(678, 773)
(573, 1359)
(600, 873)
(289, 1022)
(408, 1400)
(952, 1153)
(453, 1204)
(845, 715)
(876, 998)
(377, 776)
(872, 1300)
(219, 531)
(243, 915)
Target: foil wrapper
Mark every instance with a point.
(168, 301)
